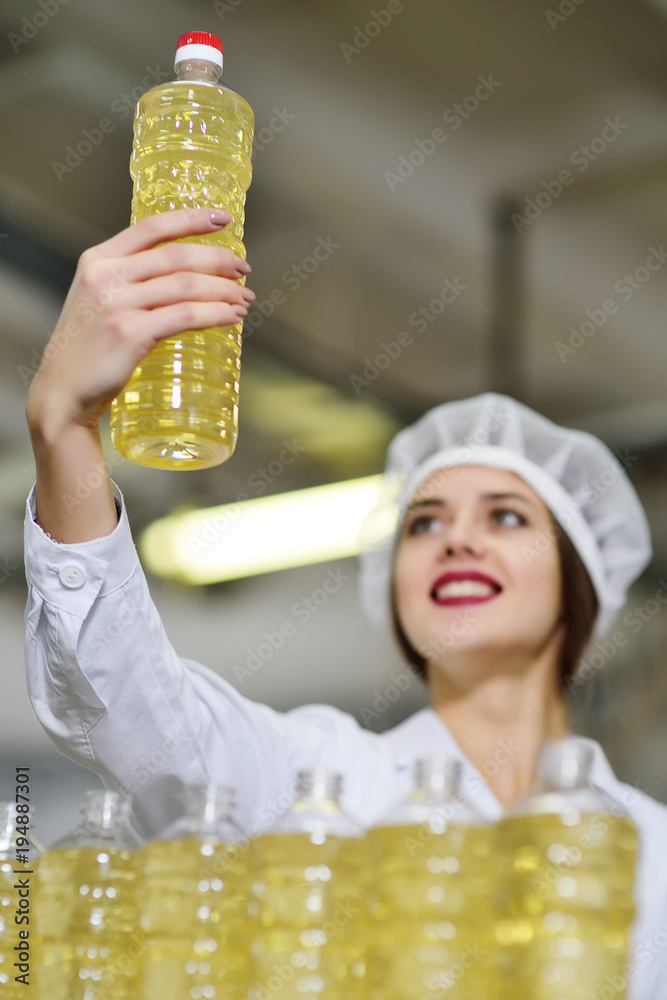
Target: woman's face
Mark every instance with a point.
(474, 520)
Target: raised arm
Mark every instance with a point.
(128, 293)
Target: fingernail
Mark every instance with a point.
(220, 218)
(242, 265)
(248, 295)
(241, 311)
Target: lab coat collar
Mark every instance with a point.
(426, 733)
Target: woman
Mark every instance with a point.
(505, 559)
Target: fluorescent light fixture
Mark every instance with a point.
(262, 535)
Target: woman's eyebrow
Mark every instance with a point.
(438, 502)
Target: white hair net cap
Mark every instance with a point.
(580, 480)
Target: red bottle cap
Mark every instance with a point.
(199, 45)
(200, 38)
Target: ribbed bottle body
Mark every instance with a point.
(193, 898)
(306, 909)
(568, 903)
(87, 943)
(428, 909)
(192, 149)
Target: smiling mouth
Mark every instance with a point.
(464, 592)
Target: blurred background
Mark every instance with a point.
(542, 199)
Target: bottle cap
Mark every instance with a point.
(199, 45)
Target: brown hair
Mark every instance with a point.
(579, 605)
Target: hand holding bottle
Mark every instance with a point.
(129, 293)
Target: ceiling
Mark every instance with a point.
(343, 112)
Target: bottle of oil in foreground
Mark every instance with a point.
(87, 943)
(192, 149)
(307, 935)
(193, 902)
(567, 905)
(433, 861)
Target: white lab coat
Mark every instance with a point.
(114, 696)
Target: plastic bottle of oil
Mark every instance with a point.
(193, 899)
(87, 942)
(566, 910)
(192, 148)
(307, 934)
(432, 859)
(18, 857)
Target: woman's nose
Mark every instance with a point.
(460, 535)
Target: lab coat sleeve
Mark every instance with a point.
(114, 696)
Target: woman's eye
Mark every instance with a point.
(423, 524)
(501, 514)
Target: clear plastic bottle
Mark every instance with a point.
(307, 936)
(432, 860)
(87, 942)
(567, 906)
(193, 903)
(192, 147)
(18, 857)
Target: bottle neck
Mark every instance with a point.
(564, 765)
(317, 787)
(105, 812)
(198, 71)
(436, 778)
(210, 806)
(7, 825)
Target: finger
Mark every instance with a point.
(156, 229)
(170, 321)
(185, 286)
(173, 257)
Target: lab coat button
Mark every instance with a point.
(72, 576)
